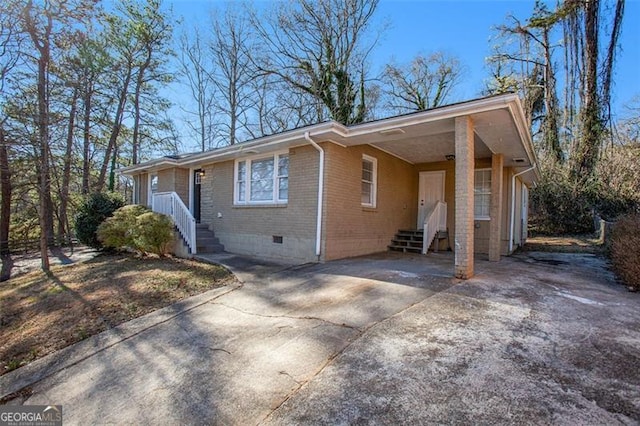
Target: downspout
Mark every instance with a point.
(513, 205)
(320, 193)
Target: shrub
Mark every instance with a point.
(625, 250)
(136, 227)
(559, 206)
(118, 231)
(92, 212)
(153, 233)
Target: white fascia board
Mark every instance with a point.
(147, 166)
(443, 113)
(267, 143)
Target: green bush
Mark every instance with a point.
(118, 231)
(153, 233)
(625, 250)
(92, 212)
(135, 227)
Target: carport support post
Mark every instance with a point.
(495, 212)
(465, 169)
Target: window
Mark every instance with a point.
(262, 180)
(482, 194)
(153, 183)
(369, 177)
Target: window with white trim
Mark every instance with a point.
(482, 194)
(262, 180)
(369, 179)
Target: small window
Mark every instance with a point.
(482, 194)
(241, 180)
(153, 183)
(262, 180)
(369, 178)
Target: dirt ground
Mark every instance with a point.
(566, 244)
(88, 294)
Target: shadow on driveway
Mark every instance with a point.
(383, 339)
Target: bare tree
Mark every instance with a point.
(230, 48)
(153, 30)
(426, 82)
(537, 80)
(196, 66)
(9, 56)
(318, 47)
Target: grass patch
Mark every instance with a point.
(588, 243)
(40, 313)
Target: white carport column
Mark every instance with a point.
(465, 165)
(495, 212)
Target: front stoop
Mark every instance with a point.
(206, 240)
(410, 240)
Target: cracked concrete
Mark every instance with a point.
(387, 339)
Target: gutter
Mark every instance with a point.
(513, 204)
(307, 137)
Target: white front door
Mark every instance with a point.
(430, 191)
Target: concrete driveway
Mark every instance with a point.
(387, 339)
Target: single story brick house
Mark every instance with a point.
(456, 176)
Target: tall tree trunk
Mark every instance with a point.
(587, 151)
(551, 134)
(112, 171)
(42, 44)
(5, 209)
(63, 226)
(610, 59)
(115, 131)
(136, 108)
(86, 137)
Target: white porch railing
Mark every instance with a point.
(434, 222)
(169, 203)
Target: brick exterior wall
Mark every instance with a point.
(250, 229)
(175, 180)
(181, 184)
(351, 229)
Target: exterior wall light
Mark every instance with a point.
(450, 157)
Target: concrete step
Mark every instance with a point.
(405, 249)
(405, 243)
(411, 231)
(204, 240)
(210, 248)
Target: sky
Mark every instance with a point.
(462, 28)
